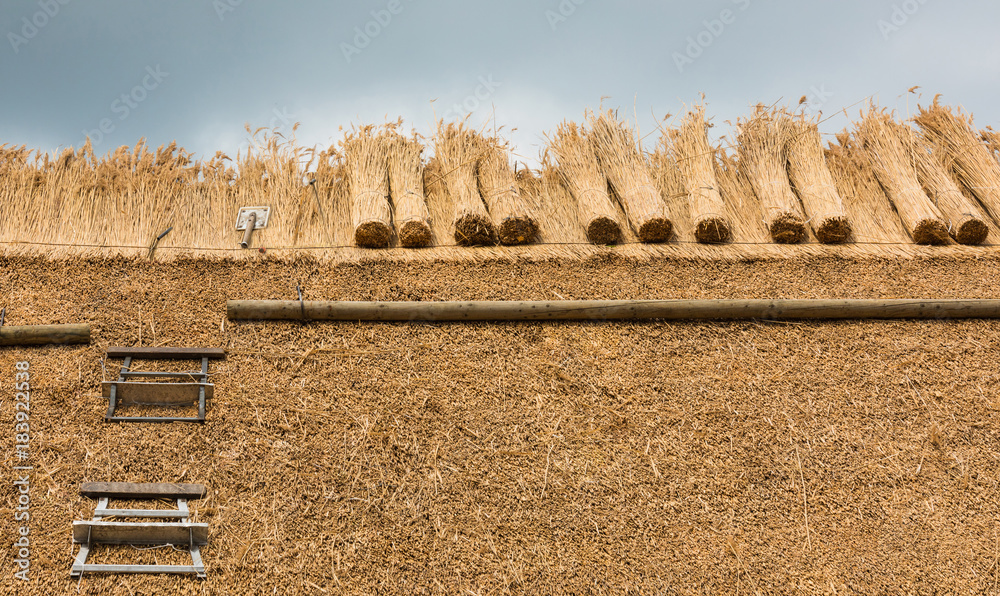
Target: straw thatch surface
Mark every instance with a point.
(530, 458)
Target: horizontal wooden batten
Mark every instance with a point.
(598, 310)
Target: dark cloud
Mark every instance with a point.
(68, 66)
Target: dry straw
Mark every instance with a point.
(762, 157)
(406, 185)
(892, 162)
(458, 149)
(966, 222)
(581, 172)
(617, 152)
(696, 161)
(367, 171)
(974, 164)
(515, 221)
(814, 183)
(873, 218)
(741, 203)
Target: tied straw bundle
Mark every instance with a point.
(406, 183)
(457, 149)
(581, 172)
(966, 222)
(892, 162)
(696, 161)
(498, 185)
(762, 156)
(368, 176)
(811, 177)
(972, 161)
(617, 152)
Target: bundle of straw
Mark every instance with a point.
(696, 160)
(368, 176)
(873, 218)
(498, 185)
(457, 149)
(893, 166)
(580, 170)
(762, 157)
(741, 204)
(812, 179)
(965, 220)
(406, 183)
(617, 152)
(975, 167)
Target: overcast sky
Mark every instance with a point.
(196, 71)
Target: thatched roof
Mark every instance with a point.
(543, 458)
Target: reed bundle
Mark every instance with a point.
(763, 158)
(741, 204)
(893, 165)
(617, 152)
(970, 159)
(515, 222)
(670, 182)
(458, 149)
(696, 161)
(368, 176)
(966, 222)
(406, 185)
(814, 183)
(581, 172)
(873, 218)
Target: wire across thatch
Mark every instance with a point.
(458, 150)
(617, 152)
(814, 184)
(582, 173)
(763, 159)
(696, 161)
(891, 160)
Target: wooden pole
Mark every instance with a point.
(39, 335)
(599, 310)
(251, 222)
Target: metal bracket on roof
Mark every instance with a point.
(250, 219)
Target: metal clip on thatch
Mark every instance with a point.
(250, 219)
(302, 304)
